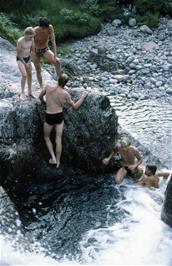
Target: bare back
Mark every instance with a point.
(149, 181)
(42, 35)
(55, 99)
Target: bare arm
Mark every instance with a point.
(77, 104)
(138, 156)
(164, 174)
(19, 51)
(53, 41)
(106, 160)
(42, 94)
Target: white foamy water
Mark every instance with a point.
(11, 257)
(140, 239)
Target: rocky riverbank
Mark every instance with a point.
(135, 62)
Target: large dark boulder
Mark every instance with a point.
(88, 134)
(167, 206)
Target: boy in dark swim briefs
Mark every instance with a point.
(43, 33)
(24, 46)
(56, 96)
(131, 160)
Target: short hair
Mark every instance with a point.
(126, 140)
(63, 79)
(43, 22)
(29, 31)
(152, 168)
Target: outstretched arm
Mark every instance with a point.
(77, 104)
(42, 94)
(164, 174)
(106, 160)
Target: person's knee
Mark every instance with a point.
(24, 76)
(58, 140)
(57, 62)
(38, 69)
(46, 138)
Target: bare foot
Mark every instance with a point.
(58, 164)
(31, 95)
(51, 161)
(22, 96)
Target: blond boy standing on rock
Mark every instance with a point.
(25, 45)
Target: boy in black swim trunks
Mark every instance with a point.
(24, 46)
(56, 96)
(131, 160)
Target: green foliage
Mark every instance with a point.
(92, 7)
(19, 5)
(8, 29)
(66, 31)
(70, 16)
(153, 6)
(150, 20)
(77, 18)
(26, 20)
(110, 12)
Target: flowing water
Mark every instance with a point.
(93, 220)
(99, 223)
(149, 121)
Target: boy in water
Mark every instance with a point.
(151, 176)
(24, 46)
(131, 160)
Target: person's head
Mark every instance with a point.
(63, 79)
(125, 142)
(44, 22)
(29, 33)
(150, 169)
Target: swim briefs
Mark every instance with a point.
(54, 119)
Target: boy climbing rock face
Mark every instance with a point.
(56, 96)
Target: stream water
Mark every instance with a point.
(97, 223)
(93, 221)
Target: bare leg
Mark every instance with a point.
(59, 132)
(23, 79)
(120, 175)
(37, 64)
(49, 56)
(29, 79)
(47, 132)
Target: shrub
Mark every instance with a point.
(70, 16)
(150, 20)
(8, 29)
(25, 20)
(110, 12)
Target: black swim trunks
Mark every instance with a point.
(26, 59)
(41, 51)
(129, 172)
(136, 175)
(54, 119)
